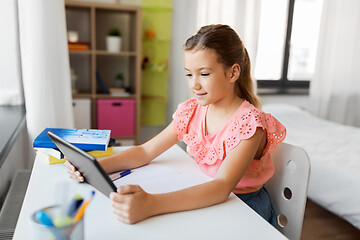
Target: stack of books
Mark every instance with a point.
(82, 46)
(119, 92)
(94, 141)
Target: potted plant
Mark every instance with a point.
(113, 40)
(119, 81)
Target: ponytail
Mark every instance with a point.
(244, 86)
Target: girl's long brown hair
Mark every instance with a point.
(230, 50)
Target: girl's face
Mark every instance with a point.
(208, 80)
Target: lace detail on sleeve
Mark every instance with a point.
(182, 116)
(245, 128)
(276, 133)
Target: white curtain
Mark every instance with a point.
(242, 15)
(335, 89)
(45, 65)
(10, 79)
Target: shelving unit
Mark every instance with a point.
(92, 21)
(156, 41)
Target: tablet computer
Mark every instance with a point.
(89, 167)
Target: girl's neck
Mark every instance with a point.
(218, 114)
(227, 106)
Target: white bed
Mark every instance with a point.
(334, 152)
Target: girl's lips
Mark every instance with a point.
(199, 95)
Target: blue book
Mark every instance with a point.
(85, 139)
(101, 83)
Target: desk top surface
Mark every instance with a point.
(230, 220)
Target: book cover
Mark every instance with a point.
(101, 83)
(85, 139)
(48, 159)
(99, 154)
(83, 48)
(55, 152)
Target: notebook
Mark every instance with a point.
(85, 139)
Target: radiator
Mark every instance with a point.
(12, 205)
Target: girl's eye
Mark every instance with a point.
(205, 74)
(188, 75)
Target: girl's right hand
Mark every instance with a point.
(73, 173)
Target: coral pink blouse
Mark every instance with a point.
(209, 151)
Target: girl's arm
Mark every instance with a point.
(133, 157)
(140, 155)
(132, 204)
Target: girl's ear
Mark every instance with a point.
(235, 72)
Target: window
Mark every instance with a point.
(288, 37)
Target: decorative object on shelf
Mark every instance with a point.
(119, 81)
(73, 36)
(145, 62)
(113, 40)
(119, 88)
(150, 33)
(74, 78)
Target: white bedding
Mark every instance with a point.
(334, 152)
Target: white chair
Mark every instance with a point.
(288, 188)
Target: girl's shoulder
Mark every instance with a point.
(248, 118)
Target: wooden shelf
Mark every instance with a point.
(82, 95)
(107, 53)
(107, 6)
(87, 52)
(99, 95)
(92, 21)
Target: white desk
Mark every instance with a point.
(230, 220)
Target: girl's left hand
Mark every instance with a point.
(131, 204)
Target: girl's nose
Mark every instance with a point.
(194, 83)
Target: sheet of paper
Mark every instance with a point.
(156, 178)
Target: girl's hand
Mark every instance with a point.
(73, 173)
(131, 204)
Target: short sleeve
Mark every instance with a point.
(244, 127)
(182, 117)
(276, 133)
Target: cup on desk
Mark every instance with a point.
(70, 231)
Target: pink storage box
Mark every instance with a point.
(118, 115)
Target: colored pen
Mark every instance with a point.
(74, 205)
(43, 218)
(121, 174)
(80, 213)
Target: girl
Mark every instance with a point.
(226, 133)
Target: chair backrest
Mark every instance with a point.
(288, 188)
